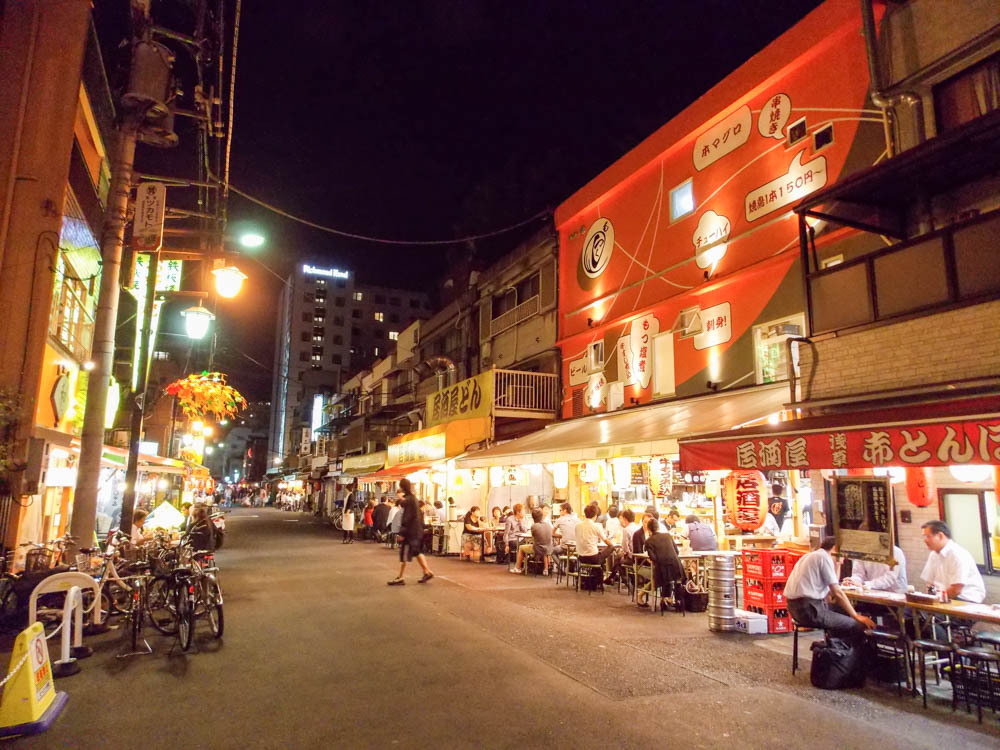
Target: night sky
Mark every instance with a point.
(433, 120)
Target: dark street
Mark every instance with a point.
(318, 651)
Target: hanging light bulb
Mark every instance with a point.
(228, 281)
(970, 473)
(196, 321)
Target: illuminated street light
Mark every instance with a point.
(228, 281)
(252, 239)
(196, 321)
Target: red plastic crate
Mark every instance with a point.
(766, 593)
(769, 564)
(775, 624)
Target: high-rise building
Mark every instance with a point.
(328, 325)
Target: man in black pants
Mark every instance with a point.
(411, 536)
(812, 581)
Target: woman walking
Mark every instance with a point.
(411, 536)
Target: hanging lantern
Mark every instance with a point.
(920, 486)
(478, 477)
(621, 471)
(661, 477)
(970, 473)
(228, 281)
(496, 476)
(746, 494)
(513, 476)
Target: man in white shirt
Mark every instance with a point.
(811, 583)
(564, 529)
(588, 534)
(950, 567)
(879, 576)
(613, 525)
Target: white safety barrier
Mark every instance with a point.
(71, 625)
(62, 582)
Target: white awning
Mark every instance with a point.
(646, 431)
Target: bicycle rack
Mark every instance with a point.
(72, 619)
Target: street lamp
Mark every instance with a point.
(252, 239)
(228, 281)
(196, 321)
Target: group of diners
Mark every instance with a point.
(615, 541)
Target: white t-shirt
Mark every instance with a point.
(614, 529)
(812, 577)
(588, 534)
(879, 576)
(954, 564)
(566, 525)
(771, 526)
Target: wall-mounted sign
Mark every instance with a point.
(724, 137)
(578, 371)
(422, 448)
(710, 238)
(62, 393)
(330, 273)
(716, 326)
(661, 477)
(641, 335)
(774, 116)
(472, 397)
(597, 248)
(862, 518)
(800, 180)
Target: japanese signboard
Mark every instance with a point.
(969, 441)
(800, 180)
(418, 447)
(724, 137)
(472, 397)
(661, 477)
(745, 494)
(863, 518)
(147, 226)
(716, 326)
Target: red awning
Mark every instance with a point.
(965, 431)
(394, 472)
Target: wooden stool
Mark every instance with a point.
(796, 629)
(921, 647)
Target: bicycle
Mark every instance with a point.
(135, 616)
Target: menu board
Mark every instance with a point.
(863, 518)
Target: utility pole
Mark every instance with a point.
(102, 353)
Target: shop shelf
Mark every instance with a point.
(763, 593)
(769, 564)
(778, 619)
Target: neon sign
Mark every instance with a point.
(332, 273)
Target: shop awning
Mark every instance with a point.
(945, 433)
(366, 464)
(646, 431)
(438, 443)
(395, 472)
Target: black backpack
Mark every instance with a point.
(836, 664)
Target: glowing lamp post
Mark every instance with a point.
(228, 281)
(251, 239)
(196, 321)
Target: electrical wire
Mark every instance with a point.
(232, 96)
(382, 240)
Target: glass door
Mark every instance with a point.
(965, 514)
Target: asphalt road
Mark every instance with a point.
(318, 651)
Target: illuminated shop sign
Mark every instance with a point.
(332, 273)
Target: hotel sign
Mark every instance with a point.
(330, 273)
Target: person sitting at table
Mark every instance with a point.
(540, 546)
(472, 536)
(879, 576)
(138, 520)
(673, 519)
(623, 556)
(614, 526)
(700, 535)
(439, 511)
(812, 581)
(547, 515)
(664, 560)
(588, 536)
(514, 525)
(950, 567)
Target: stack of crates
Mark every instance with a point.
(765, 572)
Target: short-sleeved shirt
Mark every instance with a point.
(812, 577)
(614, 529)
(701, 536)
(468, 520)
(627, 534)
(880, 576)
(566, 525)
(541, 534)
(588, 534)
(954, 564)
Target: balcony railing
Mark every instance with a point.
(517, 393)
(952, 266)
(512, 317)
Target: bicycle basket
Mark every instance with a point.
(38, 559)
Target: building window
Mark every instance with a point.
(356, 314)
(341, 284)
(317, 351)
(162, 356)
(972, 516)
(317, 339)
(337, 359)
(319, 331)
(379, 317)
(303, 356)
(394, 301)
(682, 200)
(307, 297)
(770, 350)
(315, 366)
(317, 357)
(338, 339)
(306, 317)
(305, 336)
(338, 320)
(972, 93)
(320, 282)
(321, 295)
(319, 311)
(503, 302)
(338, 301)
(394, 335)
(796, 132)
(358, 296)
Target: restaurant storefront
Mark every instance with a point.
(941, 460)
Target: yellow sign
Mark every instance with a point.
(30, 702)
(472, 397)
(425, 446)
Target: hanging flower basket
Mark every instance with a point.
(206, 394)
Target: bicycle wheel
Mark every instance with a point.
(185, 617)
(160, 606)
(119, 598)
(135, 616)
(213, 607)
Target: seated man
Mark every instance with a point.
(624, 558)
(879, 576)
(541, 546)
(613, 525)
(949, 567)
(588, 535)
(812, 581)
(513, 525)
(564, 527)
(700, 535)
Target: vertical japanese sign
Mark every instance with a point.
(863, 518)
(147, 226)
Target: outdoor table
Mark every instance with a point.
(897, 604)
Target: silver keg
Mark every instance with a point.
(721, 593)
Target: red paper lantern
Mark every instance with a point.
(920, 487)
(746, 494)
